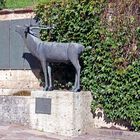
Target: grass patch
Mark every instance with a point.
(12, 4)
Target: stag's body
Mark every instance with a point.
(48, 52)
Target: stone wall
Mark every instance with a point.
(15, 109)
(7, 14)
(15, 80)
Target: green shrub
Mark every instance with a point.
(111, 68)
(2, 4)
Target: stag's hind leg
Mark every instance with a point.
(77, 66)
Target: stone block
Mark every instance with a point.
(70, 113)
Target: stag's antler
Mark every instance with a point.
(32, 26)
(41, 27)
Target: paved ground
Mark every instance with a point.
(17, 132)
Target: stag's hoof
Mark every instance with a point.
(45, 89)
(76, 90)
(72, 90)
(50, 88)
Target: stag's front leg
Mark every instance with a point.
(50, 77)
(43, 63)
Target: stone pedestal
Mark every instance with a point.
(65, 113)
(59, 112)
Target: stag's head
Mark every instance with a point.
(22, 30)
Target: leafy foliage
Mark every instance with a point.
(2, 4)
(111, 68)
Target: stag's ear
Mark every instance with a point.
(36, 18)
(27, 30)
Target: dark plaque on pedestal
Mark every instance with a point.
(43, 106)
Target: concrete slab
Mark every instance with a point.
(18, 132)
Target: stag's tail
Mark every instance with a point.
(80, 49)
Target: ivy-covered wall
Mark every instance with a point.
(111, 66)
(2, 4)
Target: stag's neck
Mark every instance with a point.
(32, 44)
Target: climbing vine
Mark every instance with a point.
(111, 65)
(2, 4)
